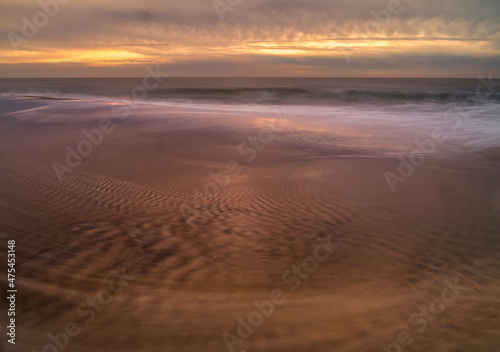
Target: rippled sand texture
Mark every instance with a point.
(119, 210)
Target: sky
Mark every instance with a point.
(258, 38)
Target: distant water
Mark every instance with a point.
(262, 91)
(358, 111)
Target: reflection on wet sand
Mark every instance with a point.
(201, 283)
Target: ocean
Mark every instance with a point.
(386, 113)
(261, 91)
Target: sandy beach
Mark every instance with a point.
(181, 222)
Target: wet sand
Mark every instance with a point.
(193, 277)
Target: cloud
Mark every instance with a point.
(172, 32)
